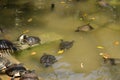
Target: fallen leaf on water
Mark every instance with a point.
(33, 53)
(81, 65)
(100, 47)
(60, 51)
(105, 55)
(30, 20)
(116, 43)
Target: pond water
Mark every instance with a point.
(82, 61)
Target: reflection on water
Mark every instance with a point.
(60, 23)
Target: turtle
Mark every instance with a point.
(112, 61)
(30, 40)
(104, 4)
(64, 45)
(4, 63)
(15, 70)
(7, 47)
(29, 75)
(47, 60)
(84, 28)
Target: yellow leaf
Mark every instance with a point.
(116, 43)
(33, 53)
(105, 55)
(60, 51)
(30, 20)
(81, 64)
(100, 47)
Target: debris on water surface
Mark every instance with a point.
(33, 53)
(100, 47)
(60, 52)
(104, 55)
(30, 20)
(81, 65)
(116, 43)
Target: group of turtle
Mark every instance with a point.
(18, 70)
(47, 60)
(15, 70)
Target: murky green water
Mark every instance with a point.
(51, 26)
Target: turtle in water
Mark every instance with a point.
(7, 47)
(112, 61)
(29, 75)
(4, 63)
(108, 59)
(30, 40)
(47, 60)
(15, 70)
(64, 45)
(104, 4)
(84, 28)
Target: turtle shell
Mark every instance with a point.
(84, 28)
(47, 60)
(65, 44)
(7, 46)
(29, 75)
(4, 63)
(13, 69)
(31, 40)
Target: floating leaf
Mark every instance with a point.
(33, 53)
(81, 65)
(116, 43)
(100, 47)
(105, 55)
(30, 20)
(60, 51)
